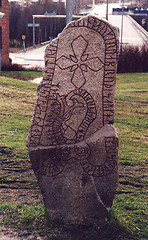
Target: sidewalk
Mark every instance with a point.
(33, 57)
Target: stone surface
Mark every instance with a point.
(72, 141)
(4, 26)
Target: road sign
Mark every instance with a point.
(143, 22)
(31, 24)
(23, 37)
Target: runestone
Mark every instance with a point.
(72, 142)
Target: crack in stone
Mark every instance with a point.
(98, 197)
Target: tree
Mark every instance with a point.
(20, 16)
(14, 17)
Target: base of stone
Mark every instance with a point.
(78, 182)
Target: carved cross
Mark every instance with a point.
(79, 62)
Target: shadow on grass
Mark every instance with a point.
(57, 230)
(35, 221)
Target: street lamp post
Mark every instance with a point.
(1, 15)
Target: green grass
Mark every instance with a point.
(34, 218)
(20, 206)
(16, 108)
(131, 112)
(22, 75)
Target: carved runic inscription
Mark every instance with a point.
(70, 115)
(54, 162)
(72, 142)
(76, 98)
(62, 110)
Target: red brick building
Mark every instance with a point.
(4, 32)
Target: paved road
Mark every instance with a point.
(32, 58)
(131, 35)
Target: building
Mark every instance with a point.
(4, 32)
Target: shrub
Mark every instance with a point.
(19, 67)
(13, 67)
(133, 59)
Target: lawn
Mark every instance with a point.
(21, 206)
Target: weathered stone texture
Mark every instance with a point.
(4, 24)
(72, 141)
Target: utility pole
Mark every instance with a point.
(107, 10)
(33, 31)
(121, 42)
(1, 15)
(93, 3)
(68, 11)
